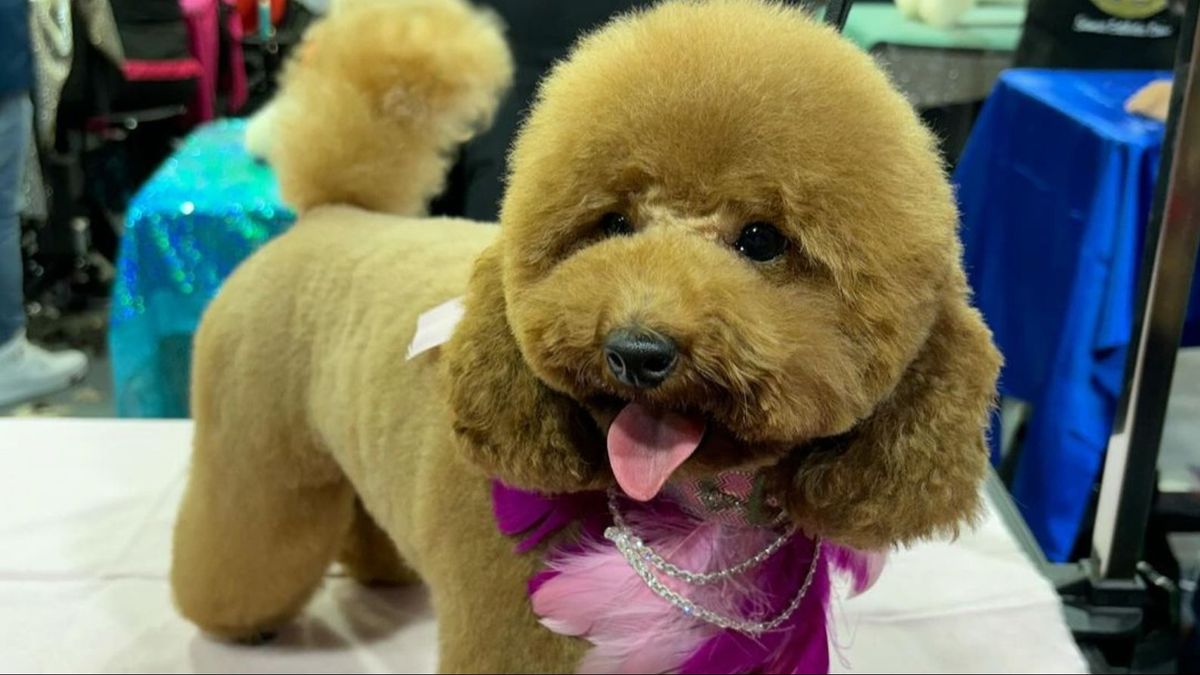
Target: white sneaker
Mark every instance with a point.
(28, 371)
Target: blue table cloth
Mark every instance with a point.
(1055, 187)
(204, 211)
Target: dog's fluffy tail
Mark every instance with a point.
(377, 98)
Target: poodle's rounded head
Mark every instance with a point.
(728, 242)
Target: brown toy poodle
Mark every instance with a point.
(722, 226)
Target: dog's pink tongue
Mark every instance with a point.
(644, 447)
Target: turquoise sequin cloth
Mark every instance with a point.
(202, 213)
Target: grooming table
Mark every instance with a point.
(86, 526)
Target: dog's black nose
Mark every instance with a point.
(639, 358)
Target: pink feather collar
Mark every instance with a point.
(589, 590)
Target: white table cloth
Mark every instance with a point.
(86, 508)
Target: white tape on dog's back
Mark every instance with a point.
(435, 327)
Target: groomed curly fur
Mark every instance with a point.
(373, 106)
(855, 361)
(850, 368)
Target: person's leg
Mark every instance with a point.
(26, 371)
(15, 118)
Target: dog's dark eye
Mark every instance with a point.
(615, 224)
(760, 242)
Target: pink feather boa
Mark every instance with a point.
(588, 589)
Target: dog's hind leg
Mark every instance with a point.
(369, 556)
(263, 516)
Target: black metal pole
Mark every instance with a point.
(836, 12)
(1169, 260)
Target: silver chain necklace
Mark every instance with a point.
(645, 560)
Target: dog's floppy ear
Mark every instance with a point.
(506, 420)
(912, 469)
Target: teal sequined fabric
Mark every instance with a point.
(202, 213)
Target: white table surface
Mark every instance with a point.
(86, 508)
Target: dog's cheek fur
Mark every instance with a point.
(506, 421)
(912, 469)
(766, 359)
(783, 368)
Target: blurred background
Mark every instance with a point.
(122, 145)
